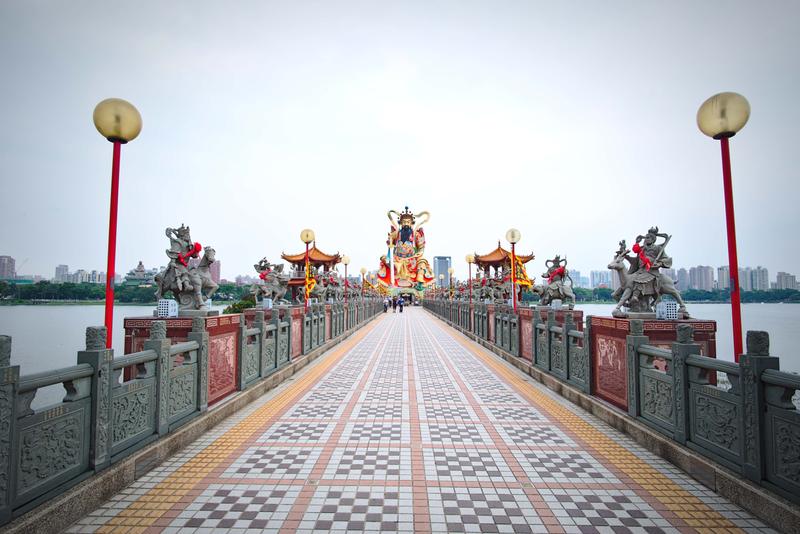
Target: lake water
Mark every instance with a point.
(48, 337)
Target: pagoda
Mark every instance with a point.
(318, 259)
(500, 259)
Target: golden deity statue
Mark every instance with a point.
(406, 249)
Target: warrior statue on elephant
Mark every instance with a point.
(643, 285)
(405, 266)
(556, 286)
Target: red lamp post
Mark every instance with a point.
(118, 121)
(513, 236)
(720, 117)
(307, 236)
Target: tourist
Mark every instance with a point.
(394, 304)
(400, 303)
(385, 304)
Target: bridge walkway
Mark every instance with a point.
(409, 426)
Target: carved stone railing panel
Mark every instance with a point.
(558, 356)
(52, 447)
(133, 409)
(541, 339)
(269, 349)
(579, 366)
(182, 392)
(250, 351)
(656, 399)
(782, 447)
(715, 422)
(284, 325)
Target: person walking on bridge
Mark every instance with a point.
(400, 303)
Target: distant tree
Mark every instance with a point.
(240, 306)
(602, 293)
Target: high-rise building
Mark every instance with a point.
(600, 279)
(80, 276)
(723, 277)
(745, 279)
(760, 279)
(786, 281)
(683, 279)
(576, 277)
(440, 266)
(8, 269)
(62, 272)
(701, 278)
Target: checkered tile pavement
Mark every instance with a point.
(411, 428)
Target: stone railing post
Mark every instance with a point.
(633, 341)
(681, 349)
(290, 333)
(99, 357)
(200, 334)
(548, 336)
(240, 357)
(160, 344)
(589, 351)
(569, 324)
(752, 364)
(9, 381)
(260, 322)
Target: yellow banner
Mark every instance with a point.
(311, 282)
(521, 275)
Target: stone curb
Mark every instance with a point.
(61, 512)
(773, 509)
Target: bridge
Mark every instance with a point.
(455, 417)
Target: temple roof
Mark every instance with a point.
(499, 256)
(315, 257)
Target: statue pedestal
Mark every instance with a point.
(609, 350)
(198, 313)
(223, 346)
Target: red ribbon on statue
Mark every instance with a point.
(263, 274)
(557, 272)
(191, 254)
(644, 259)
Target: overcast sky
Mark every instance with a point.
(572, 121)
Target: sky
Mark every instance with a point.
(571, 121)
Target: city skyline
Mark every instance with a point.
(701, 277)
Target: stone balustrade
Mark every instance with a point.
(113, 407)
(740, 415)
